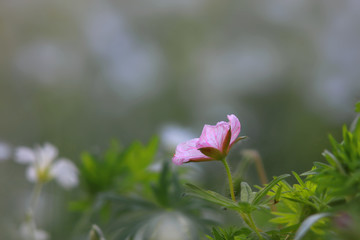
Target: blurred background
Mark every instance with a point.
(80, 73)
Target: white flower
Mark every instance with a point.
(5, 151)
(168, 226)
(171, 135)
(43, 165)
(27, 232)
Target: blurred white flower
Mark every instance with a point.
(48, 61)
(44, 165)
(5, 151)
(27, 232)
(171, 135)
(168, 226)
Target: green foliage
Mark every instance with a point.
(260, 196)
(249, 200)
(135, 214)
(304, 210)
(357, 107)
(309, 223)
(298, 202)
(125, 197)
(341, 176)
(118, 169)
(137, 202)
(231, 233)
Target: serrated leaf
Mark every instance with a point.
(246, 194)
(231, 233)
(262, 193)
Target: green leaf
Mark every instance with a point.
(333, 161)
(80, 205)
(211, 196)
(357, 107)
(298, 179)
(162, 189)
(246, 193)
(302, 201)
(231, 233)
(242, 207)
(138, 157)
(355, 127)
(308, 223)
(278, 194)
(119, 169)
(262, 193)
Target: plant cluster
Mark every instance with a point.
(127, 194)
(323, 204)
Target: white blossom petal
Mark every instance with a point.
(172, 135)
(46, 155)
(24, 155)
(27, 233)
(41, 235)
(31, 174)
(5, 151)
(65, 173)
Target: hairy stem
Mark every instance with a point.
(231, 186)
(253, 226)
(250, 222)
(246, 217)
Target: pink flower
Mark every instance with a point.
(213, 144)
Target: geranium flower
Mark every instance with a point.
(44, 165)
(213, 144)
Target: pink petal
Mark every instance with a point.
(188, 152)
(214, 136)
(235, 127)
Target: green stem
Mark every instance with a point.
(253, 226)
(35, 195)
(230, 179)
(247, 217)
(32, 208)
(250, 222)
